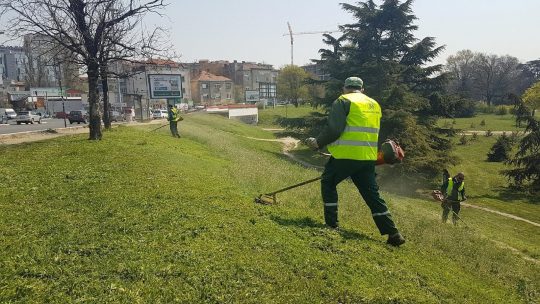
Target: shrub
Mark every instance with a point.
(463, 139)
(483, 122)
(474, 136)
(514, 137)
(483, 108)
(502, 110)
(489, 133)
(500, 151)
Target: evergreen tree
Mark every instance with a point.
(500, 151)
(380, 48)
(527, 159)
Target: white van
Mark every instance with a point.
(9, 113)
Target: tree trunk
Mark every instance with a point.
(106, 106)
(93, 100)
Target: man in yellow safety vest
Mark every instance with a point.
(352, 134)
(173, 118)
(454, 193)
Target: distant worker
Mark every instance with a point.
(173, 118)
(454, 193)
(352, 134)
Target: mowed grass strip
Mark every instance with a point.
(144, 217)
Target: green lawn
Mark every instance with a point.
(141, 217)
(268, 116)
(492, 122)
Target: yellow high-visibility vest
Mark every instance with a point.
(175, 115)
(360, 138)
(451, 186)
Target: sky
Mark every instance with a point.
(249, 30)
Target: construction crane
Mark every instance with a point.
(301, 33)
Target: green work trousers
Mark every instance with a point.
(174, 128)
(362, 173)
(448, 205)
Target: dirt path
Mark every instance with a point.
(501, 213)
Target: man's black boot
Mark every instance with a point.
(395, 239)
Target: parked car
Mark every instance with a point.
(77, 116)
(116, 116)
(8, 113)
(27, 117)
(158, 114)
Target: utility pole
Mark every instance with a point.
(291, 34)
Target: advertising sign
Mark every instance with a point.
(252, 95)
(165, 86)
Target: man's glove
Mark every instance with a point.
(312, 143)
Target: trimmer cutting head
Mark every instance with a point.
(266, 199)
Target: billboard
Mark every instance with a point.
(252, 95)
(165, 86)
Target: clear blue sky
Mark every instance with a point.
(252, 30)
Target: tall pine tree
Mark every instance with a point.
(380, 48)
(526, 162)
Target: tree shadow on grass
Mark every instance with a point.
(307, 223)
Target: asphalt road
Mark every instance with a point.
(46, 123)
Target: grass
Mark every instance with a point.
(144, 217)
(492, 122)
(268, 116)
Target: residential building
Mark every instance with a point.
(210, 89)
(12, 63)
(316, 71)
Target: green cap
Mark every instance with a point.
(354, 82)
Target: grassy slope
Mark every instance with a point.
(144, 217)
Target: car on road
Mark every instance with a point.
(77, 116)
(27, 117)
(157, 114)
(7, 113)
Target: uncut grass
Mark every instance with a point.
(145, 217)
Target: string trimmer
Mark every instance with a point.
(159, 127)
(390, 153)
(270, 198)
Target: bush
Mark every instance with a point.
(502, 110)
(489, 133)
(463, 140)
(514, 137)
(483, 108)
(474, 136)
(483, 122)
(500, 151)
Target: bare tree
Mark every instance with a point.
(82, 28)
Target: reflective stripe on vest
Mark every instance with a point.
(360, 138)
(451, 186)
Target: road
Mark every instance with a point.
(46, 123)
